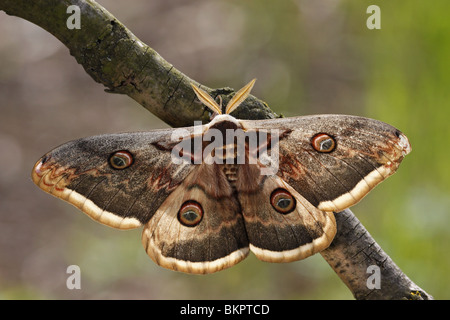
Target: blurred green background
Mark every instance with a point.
(309, 57)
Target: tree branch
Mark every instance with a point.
(353, 254)
(113, 56)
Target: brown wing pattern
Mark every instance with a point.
(80, 173)
(367, 151)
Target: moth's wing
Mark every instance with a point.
(80, 172)
(216, 242)
(367, 152)
(277, 236)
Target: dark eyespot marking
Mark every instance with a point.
(190, 214)
(282, 201)
(323, 143)
(121, 160)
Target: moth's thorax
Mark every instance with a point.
(225, 125)
(233, 150)
(223, 121)
(223, 131)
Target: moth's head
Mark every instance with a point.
(215, 107)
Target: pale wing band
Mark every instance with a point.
(203, 267)
(48, 183)
(358, 192)
(303, 251)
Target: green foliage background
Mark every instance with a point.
(309, 57)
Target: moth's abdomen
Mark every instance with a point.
(230, 171)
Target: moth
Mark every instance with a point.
(209, 194)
